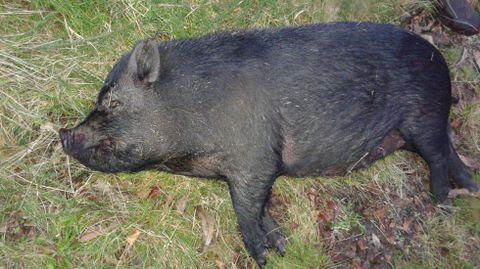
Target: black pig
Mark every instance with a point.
(249, 106)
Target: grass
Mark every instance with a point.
(54, 56)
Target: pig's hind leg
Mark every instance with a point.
(435, 147)
(431, 142)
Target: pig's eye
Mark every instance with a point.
(115, 103)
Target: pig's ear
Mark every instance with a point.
(145, 61)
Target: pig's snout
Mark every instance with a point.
(72, 140)
(64, 134)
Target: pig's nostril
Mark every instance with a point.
(63, 134)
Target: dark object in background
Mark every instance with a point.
(459, 16)
(249, 106)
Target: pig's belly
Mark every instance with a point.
(336, 160)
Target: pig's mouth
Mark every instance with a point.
(101, 155)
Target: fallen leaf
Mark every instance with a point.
(324, 217)
(130, 241)
(92, 197)
(454, 193)
(293, 226)
(154, 193)
(456, 123)
(312, 193)
(182, 204)
(219, 264)
(93, 233)
(329, 213)
(406, 225)
(380, 214)
(361, 244)
(132, 238)
(376, 242)
(207, 226)
(331, 205)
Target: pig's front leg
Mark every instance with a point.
(249, 197)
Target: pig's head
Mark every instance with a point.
(122, 132)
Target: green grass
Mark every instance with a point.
(54, 56)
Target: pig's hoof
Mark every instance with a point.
(472, 187)
(440, 194)
(261, 262)
(275, 239)
(260, 257)
(281, 246)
